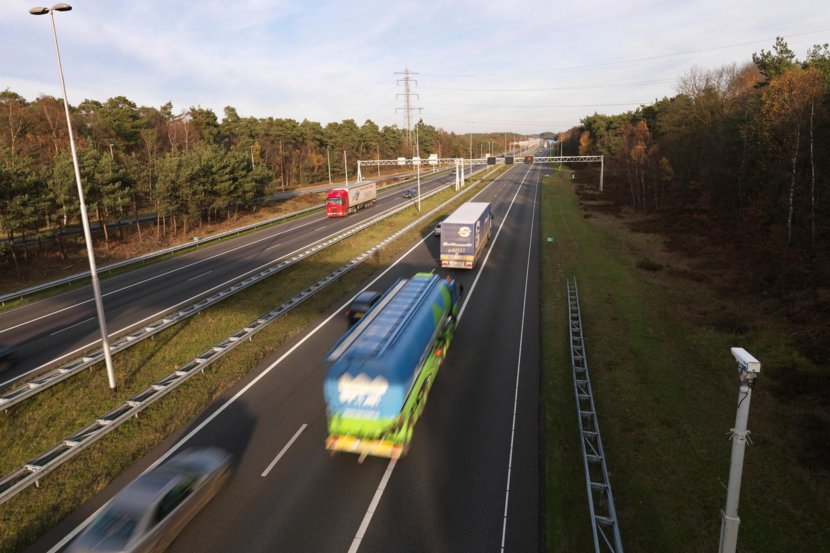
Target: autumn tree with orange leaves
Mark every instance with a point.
(789, 110)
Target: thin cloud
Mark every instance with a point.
(325, 60)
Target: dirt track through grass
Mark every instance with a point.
(665, 388)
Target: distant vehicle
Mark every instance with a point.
(8, 358)
(454, 172)
(342, 201)
(437, 231)
(381, 371)
(153, 509)
(464, 235)
(409, 193)
(361, 304)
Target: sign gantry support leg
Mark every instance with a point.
(601, 172)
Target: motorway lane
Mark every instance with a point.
(448, 494)
(51, 331)
(313, 502)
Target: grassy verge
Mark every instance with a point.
(286, 206)
(665, 387)
(32, 426)
(283, 206)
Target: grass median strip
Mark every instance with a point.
(665, 387)
(75, 366)
(267, 211)
(38, 424)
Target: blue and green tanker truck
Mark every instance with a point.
(381, 371)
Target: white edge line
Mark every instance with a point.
(518, 369)
(200, 276)
(367, 518)
(73, 326)
(137, 269)
(253, 382)
(489, 251)
(283, 450)
(196, 263)
(170, 309)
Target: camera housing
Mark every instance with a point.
(746, 361)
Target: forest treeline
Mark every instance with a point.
(188, 168)
(745, 144)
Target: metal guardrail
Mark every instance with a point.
(600, 500)
(32, 471)
(20, 294)
(52, 377)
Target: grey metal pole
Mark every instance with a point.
(729, 516)
(93, 270)
(749, 368)
(253, 164)
(346, 168)
(378, 159)
(328, 161)
(111, 154)
(601, 171)
(418, 149)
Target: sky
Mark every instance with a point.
(491, 66)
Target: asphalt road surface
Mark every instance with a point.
(471, 480)
(95, 226)
(57, 329)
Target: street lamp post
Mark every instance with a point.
(328, 161)
(111, 154)
(418, 150)
(346, 168)
(471, 138)
(253, 164)
(93, 270)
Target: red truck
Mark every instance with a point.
(342, 201)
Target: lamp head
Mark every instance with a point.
(61, 7)
(39, 11)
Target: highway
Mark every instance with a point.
(471, 480)
(96, 227)
(57, 329)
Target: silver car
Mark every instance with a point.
(153, 509)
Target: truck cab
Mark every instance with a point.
(336, 202)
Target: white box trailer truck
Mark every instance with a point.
(464, 234)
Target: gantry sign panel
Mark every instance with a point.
(509, 160)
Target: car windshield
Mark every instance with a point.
(334, 201)
(365, 298)
(113, 526)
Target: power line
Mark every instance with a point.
(623, 61)
(349, 106)
(407, 109)
(501, 121)
(386, 105)
(376, 99)
(583, 87)
(532, 105)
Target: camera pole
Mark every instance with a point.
(748, 367)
